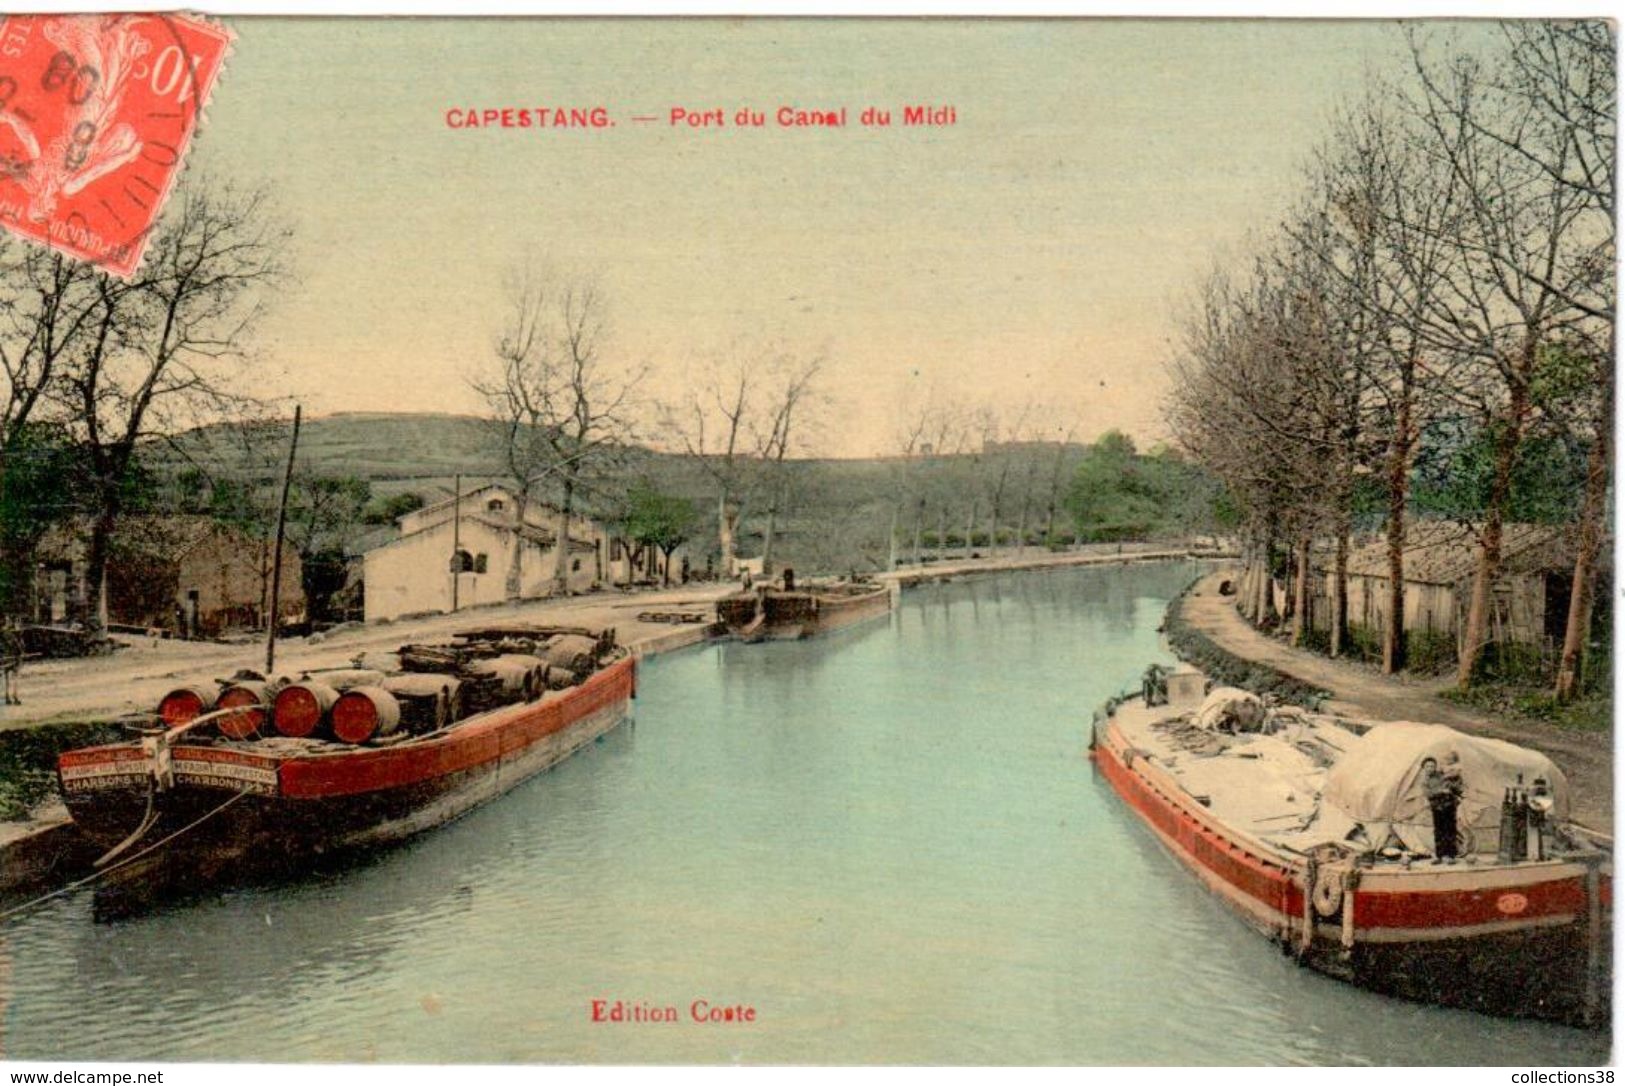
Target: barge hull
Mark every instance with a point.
(1533, 965)
(346, 800)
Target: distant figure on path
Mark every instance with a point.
(789, 579)
(684, 568)
(1443, 788)
(11, 658)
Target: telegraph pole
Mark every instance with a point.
(456, 536)
(276, 560)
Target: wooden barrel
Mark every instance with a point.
(185, 704)
(254, 699)
(428, 701)
(301, 708)
(573, 653)
(363, 712)
(521, 677)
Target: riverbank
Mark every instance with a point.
(1586, 758)
(66, 702)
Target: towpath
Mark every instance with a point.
(1089, 554)
(1586, 758)
(135, 677)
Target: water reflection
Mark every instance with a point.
(888, 841)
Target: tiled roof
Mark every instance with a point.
(1446, 552)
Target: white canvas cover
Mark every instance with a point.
(1378, 783)
(1229, 708)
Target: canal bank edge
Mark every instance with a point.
(1224, 667)
(44, 848)
(1339, 687)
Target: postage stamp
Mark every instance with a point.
(96, 112)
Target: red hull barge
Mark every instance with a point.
(1520, 938)
(254, 804)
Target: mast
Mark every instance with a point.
(276, 557)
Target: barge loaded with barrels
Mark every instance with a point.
(261, 772)
(1411, 859)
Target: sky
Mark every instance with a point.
(1036, 252)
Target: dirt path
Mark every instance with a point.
(1586, 758)
(134, 678)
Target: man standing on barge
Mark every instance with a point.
(1443, 789)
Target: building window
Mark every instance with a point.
(462, 562)
(495, 505)
(479, 563)
(575, 566)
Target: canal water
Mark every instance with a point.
(889, 843)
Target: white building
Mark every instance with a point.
(422, 572)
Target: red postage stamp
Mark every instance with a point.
(96, 112)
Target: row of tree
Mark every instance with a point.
(1440, 293)
(566, 414)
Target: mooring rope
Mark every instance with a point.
(88, 879)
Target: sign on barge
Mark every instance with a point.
(1410, 859)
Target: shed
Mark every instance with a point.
(1530, 598)
(187, 573)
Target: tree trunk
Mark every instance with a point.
(1301, 618)
(561, 566)
(919, 526)
(891, 541)
(96, 559)
(1507, 443)
(970, 528)
(727, 520)
(513, 584)
(1265, 614)
(942, 534)
(1571, 664)
(767, 537)
(1339, 632)
(1247, 591)
(1289, 602)
(1399, 474)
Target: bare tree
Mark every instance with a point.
(46, 311)
(739, 417)
(1560, 78)
(1383, 218)
(793, 394)
(712, 422)
(1523, 262)
(559, 409)
(157, 350)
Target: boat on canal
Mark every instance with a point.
(789, 612)
(1320, 833)
(258, 773)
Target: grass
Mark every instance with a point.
(28, 760)
(1591, 712)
